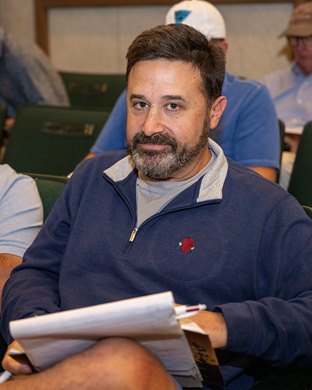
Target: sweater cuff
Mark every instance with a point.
(240, 326)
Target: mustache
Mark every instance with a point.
(157, 139)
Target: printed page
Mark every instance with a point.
(204, 355)
(50, 338)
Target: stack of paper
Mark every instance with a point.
(150, 320)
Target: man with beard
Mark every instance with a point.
(248, 131)
(175, 214)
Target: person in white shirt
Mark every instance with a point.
(291, 88)
(21, 218)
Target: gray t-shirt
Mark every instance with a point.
(153, 195)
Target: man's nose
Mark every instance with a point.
(301, 44)
(153, 122)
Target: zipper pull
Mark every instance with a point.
(133, 234)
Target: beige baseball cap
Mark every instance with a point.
(201, 15)
(300, 23)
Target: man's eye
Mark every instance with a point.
(140, 105)
(173, 106)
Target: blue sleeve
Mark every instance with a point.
(278, 325)
(257, 141)
(113, 134)
(248, 131)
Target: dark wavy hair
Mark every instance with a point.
(180, 42)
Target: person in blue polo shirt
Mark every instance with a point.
(248, 131)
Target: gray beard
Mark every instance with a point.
(161, 165)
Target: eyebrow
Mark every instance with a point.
(134, 96)
(166, 97)
(173, 97)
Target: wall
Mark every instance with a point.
(17, 16)
(96, 39)
(253, 32)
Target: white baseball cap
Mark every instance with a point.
(201, 15)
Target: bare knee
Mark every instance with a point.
(113, 363)
(125, 364)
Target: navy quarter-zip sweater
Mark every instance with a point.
(233, 240)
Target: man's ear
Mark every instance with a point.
(216, 111)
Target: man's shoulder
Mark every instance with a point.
(255, 197)
(278, 77)
(246, 180)
(236, 86)
(23, 54)
(6, 171)
(19, 46)
(99, 163)
(110, 157)
(9, 177)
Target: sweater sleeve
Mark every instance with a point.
(278, 325)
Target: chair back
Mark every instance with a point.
(93, 91)
(281, 126)
(308, 210)
(300, 184)
(52, 140)
(50, 188)
(2, 119)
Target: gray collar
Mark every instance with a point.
(212, 182)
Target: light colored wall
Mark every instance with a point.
(103, 45)
(253, 32)
(17, 16)
(96, 39)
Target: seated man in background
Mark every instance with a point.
(248, 131)
(27, 76)
(291, 88)
(21, 217)
(115, 231)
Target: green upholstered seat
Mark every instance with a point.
(300, 184)
(52, 140)
(99, 91)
